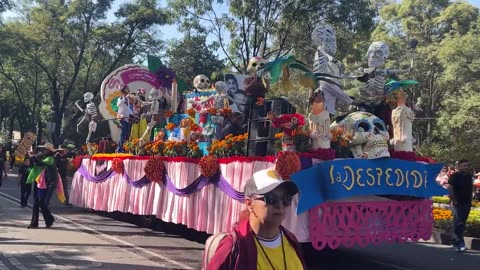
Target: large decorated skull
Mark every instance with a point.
(201, 82)
(254, 64)
(367, 135)
(324, 37)
(377, 54)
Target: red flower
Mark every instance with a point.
(155, 170)
(209, 166)
(117, 165)
(289, 123)
(287, 164)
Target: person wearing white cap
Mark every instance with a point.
(258, 240)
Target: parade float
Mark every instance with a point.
(360, 180)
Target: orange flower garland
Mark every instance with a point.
(209, 166)
(287, 164)
(155, 169)
(170, 126)
(117, 165)
(191, 112)
(168, 114)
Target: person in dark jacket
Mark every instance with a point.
(25, 188)
(61, 161)
(234, 126)
(460, 185)
(3, 159)
(259, 241)
(43, 161)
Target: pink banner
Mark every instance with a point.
(134, 75)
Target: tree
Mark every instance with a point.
(73, 48)
(266, 27)
(192, 56)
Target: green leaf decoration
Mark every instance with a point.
(154, 63)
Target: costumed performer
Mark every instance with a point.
(44, 175)
(124, 114)
(140, 124)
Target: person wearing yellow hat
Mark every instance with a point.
(259, 241)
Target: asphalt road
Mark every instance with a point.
(84, 239)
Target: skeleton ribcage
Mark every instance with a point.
(91, 110)
(373, 90)
(325, 70)
(219, 102)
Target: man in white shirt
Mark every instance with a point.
(124, 112)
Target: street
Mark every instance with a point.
(84, 239)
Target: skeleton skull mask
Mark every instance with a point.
(254, 64)
(154, 94)
(221, 87)
(201, 82)
(87, 97)
(324, 36)
(377, 54)
(367, 133)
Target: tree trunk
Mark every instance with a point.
(11, 124)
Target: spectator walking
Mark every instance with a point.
(3, 161)
(25, 188)
(259, 241)
(460, 185)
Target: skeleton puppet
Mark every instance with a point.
(402, 119)
(153, 97)
(201, 83)
(90, 114)
(254, 86)
(327, 69)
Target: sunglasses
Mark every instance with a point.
(271, 199)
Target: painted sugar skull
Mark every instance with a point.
(367, 134)
(201, 82)
(377, 54)
(254, 64)
(324, 36)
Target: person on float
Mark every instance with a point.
(259, 241)
(139, 126)
(234, 125)
(44, 175)
(124, 114)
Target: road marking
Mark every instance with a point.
(112, 238)
(390, 265)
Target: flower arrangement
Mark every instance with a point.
(134, 146)
(287, 164)
(170, 126)
(188, 149)
(191, 112)
(301, 140)
(212, 111)
(168, 114)
(165, 75)
(89, 149)
(289, 123)
(340, 142)
(209, 166)
(230, 146)
(155, 170)
(226, 112)
(154, 148)
(111, 156)
(117, 165)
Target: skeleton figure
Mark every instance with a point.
(153, 97)
(327, 69)
(201, 82)
(366, 133)
(254, 64)
(90, 114)
(373, 89)
(402, 118)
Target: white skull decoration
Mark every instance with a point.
(201, 82)
(254, 64)
(377, 54)
(324, 36)
(367, 134)
(87, 97)
(154, 94)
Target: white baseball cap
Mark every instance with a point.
(265, 181)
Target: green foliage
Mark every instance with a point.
(438, 199)
(192, 56)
